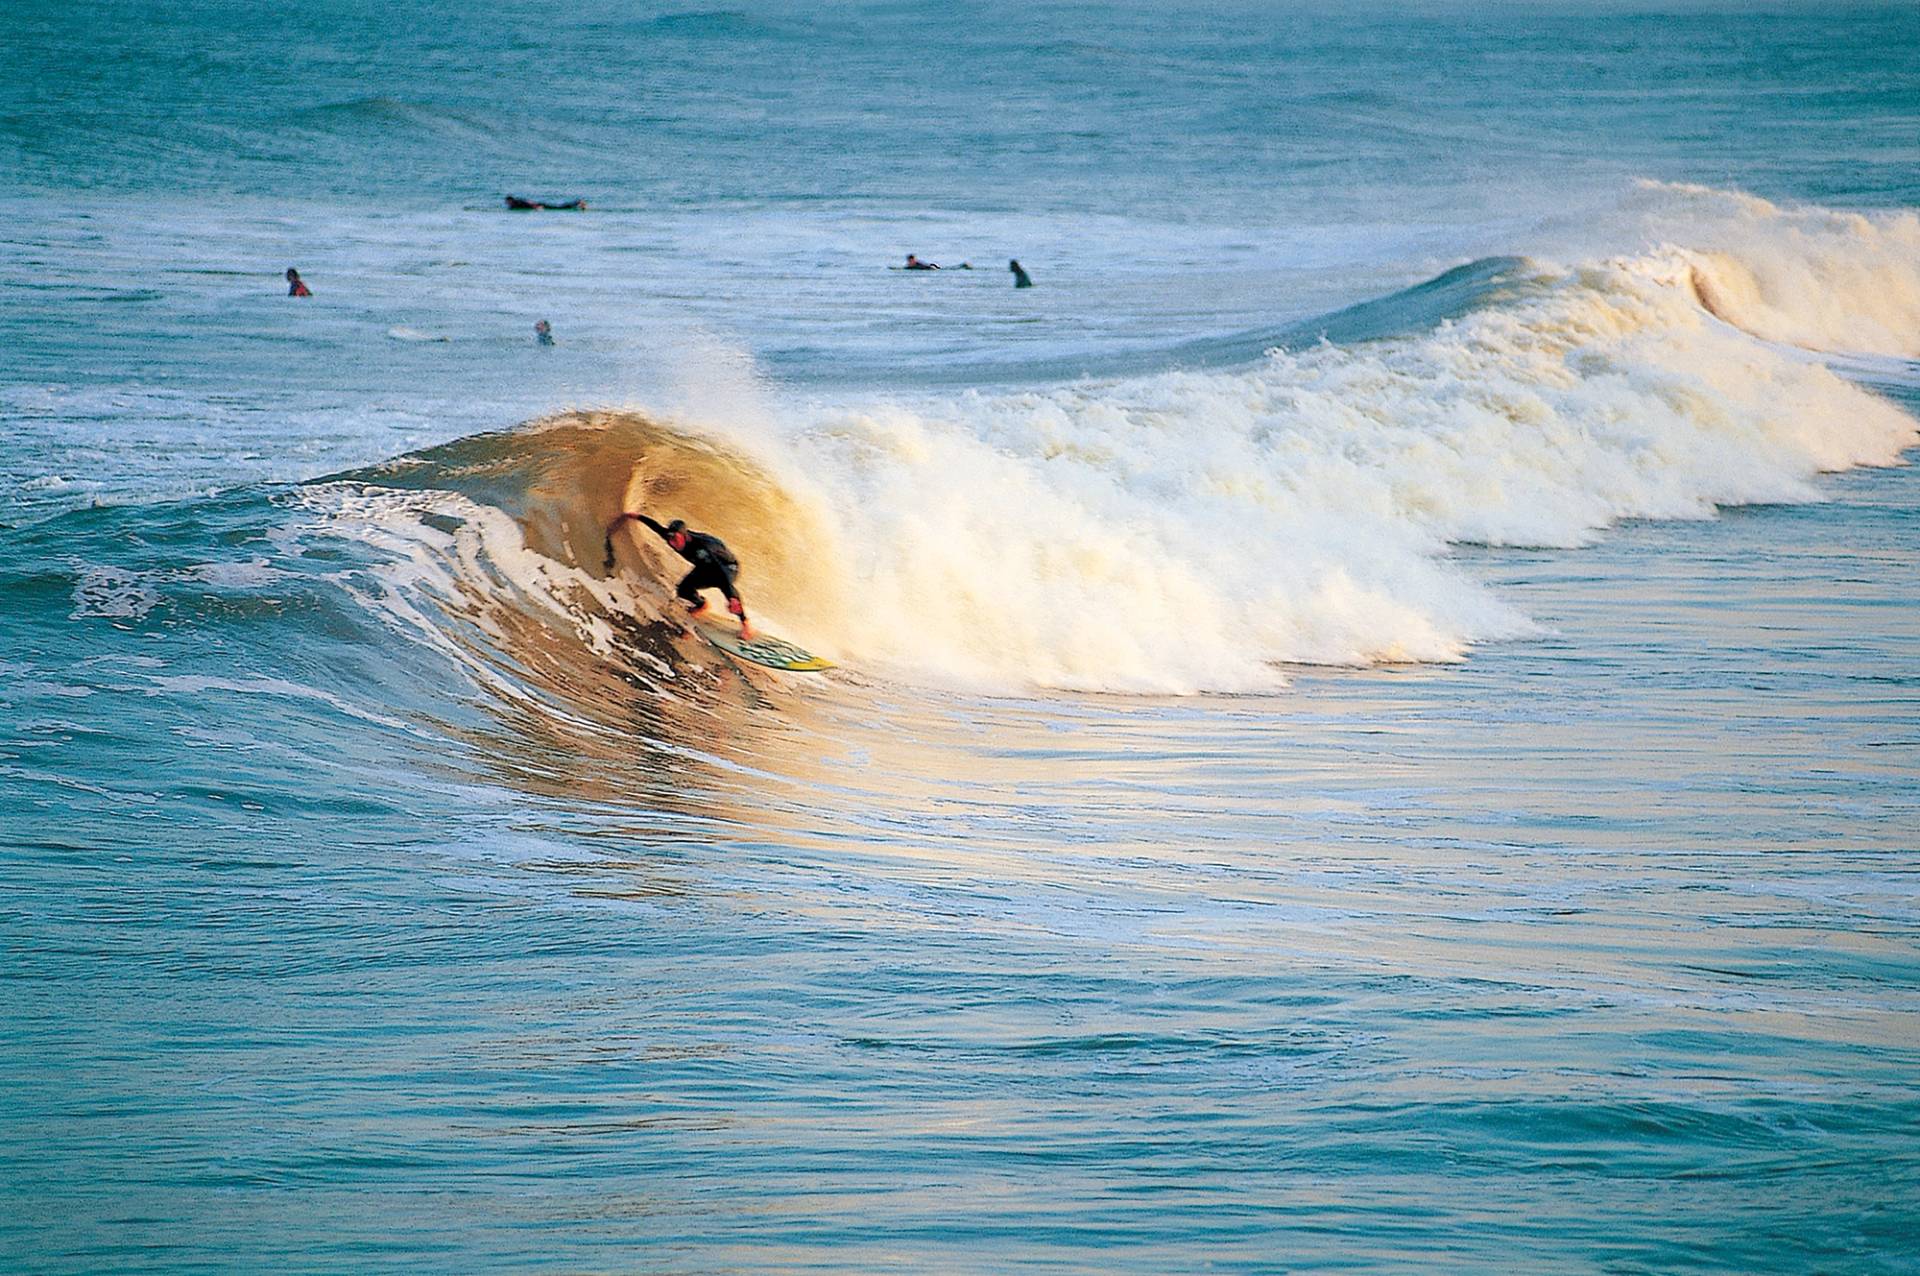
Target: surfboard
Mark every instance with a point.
(761, 649)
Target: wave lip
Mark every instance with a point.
(1840, 282)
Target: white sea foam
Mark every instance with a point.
(1808, 276)
(1190, 530)
(112, 593)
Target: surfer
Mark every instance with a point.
(914, 263)
(543, 332)
(1020, 279)
(520, 205)
(714, 566)
(296, 286)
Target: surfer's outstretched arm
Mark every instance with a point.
(664, 533)
(659, 530)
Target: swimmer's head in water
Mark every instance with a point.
(292, 274)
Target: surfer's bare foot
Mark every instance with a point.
(746, 631)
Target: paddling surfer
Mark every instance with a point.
(714, 566)
(520, 205)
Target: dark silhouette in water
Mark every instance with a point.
(914, 263)
(524, 205)
(543, 332)
(296, 286)
(1020, 279)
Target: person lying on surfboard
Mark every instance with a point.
(714, 566)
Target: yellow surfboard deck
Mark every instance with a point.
(761, 649)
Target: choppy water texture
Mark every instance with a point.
(1378, 721)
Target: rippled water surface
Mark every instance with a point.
(1600, 948)
(1378, 724)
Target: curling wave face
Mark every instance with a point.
(1198, 530)
(492, 551)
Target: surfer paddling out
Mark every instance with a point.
(714, 566)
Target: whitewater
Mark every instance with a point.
(1376, 717)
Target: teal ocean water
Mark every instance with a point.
(1378, 718)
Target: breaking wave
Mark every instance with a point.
(1810, 277)
(1202, 529)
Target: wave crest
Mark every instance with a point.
(1816, 278)
(1200, 529)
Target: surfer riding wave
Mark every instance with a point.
(714, 566)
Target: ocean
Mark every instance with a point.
(1377, 719)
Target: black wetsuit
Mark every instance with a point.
(714, 566)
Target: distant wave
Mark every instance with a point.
(1411, 311)
(1420, 308)
(387, 115)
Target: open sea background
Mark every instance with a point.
(1379, 718)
